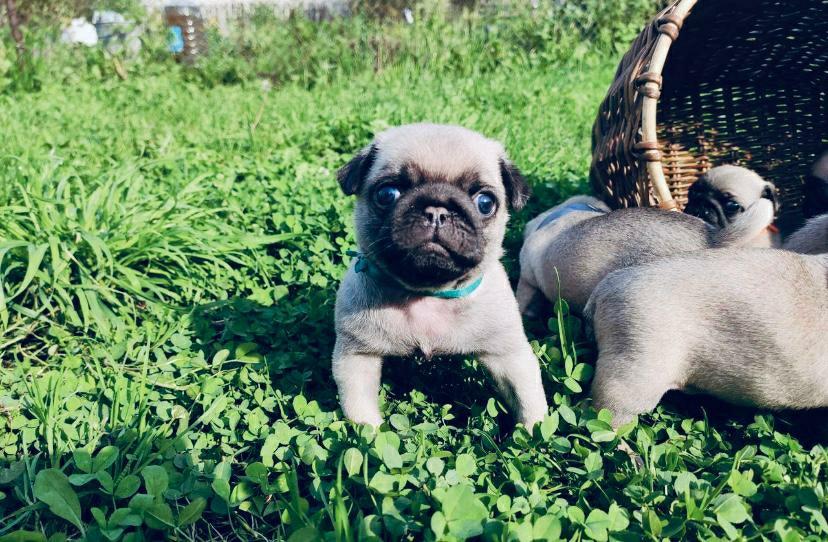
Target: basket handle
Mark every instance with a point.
(649, 85)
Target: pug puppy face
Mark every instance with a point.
(724, 192)
(432, 202)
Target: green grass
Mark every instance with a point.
(169, 257)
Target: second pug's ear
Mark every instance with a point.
(769, 192)
(352, 175)
(517, 190)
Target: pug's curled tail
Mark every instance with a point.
(746, 227)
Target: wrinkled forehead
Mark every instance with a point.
(743, 184)
(446, 153)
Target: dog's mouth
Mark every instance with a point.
(429, 264)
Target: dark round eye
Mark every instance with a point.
(387, 195)
(732, 207)
(486, 203)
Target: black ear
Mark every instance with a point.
(769, 192)
(352, 175)
(517, 190)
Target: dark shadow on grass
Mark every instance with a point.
(809, 427)
(296, 336)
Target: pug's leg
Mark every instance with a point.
(357, 377)
(530, 299)
(627, 385)
(518, 377)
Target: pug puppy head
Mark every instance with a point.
(432, 202)
(724, 192)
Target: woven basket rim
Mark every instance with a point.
(649, 85)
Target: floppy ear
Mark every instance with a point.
(517, 190)
(352, 175)
(769, 192)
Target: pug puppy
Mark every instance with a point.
(812, 238)
(570, 248)
(431, 212)
(749, 326)
(719, 196)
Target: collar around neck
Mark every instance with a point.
(365, 265)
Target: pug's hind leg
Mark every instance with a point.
(530, 299)
(625, 386)
(357, 377)
(518, 377)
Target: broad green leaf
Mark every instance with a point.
(105, 479)
(241, 492)
(730, 508)
(223, 471)
(83, 459)
(81, 479)
(124, 517)
(383, 482)
(546, 528)
(52, 487)
(391, 457)
(549, 425)
(216, 407)
(618, 519)
(222, 489)
(435, 465)
(597, 524)
(463, 511)
(127, 487)
(400, 422)
(568, 415)
(465, 465)
(742, 483)
(353, 461)
(159, 516)
(156, 479)
(192, 512)
(104, 458)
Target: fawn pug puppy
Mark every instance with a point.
(719, 196)
(749, 326)
(579, 242)
(431, 212)
(812, 238)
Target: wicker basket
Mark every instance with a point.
(733, 81)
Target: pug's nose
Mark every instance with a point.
(436, 217)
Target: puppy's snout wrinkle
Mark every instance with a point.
(436, 217)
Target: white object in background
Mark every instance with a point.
(116, 33)
(408, 15)
(80, 31)
(107, 17)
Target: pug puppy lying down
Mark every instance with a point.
(812, 238)
(749, 326)
(431, 212)
(722, 194)
(579, 242)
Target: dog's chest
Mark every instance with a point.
(428, 324)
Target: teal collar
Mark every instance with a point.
(364, 265)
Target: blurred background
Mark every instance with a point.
(298, 41)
